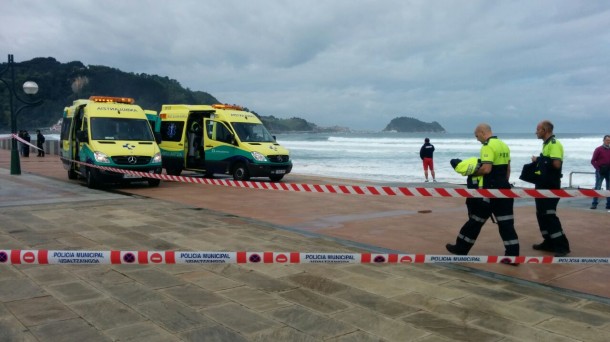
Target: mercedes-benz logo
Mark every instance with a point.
(132, 160)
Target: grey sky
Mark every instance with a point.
(348, 63)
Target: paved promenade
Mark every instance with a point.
(42, 209)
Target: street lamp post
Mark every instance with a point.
(30, 88)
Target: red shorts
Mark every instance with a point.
(428, 164)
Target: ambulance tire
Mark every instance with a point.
(240, 172)
(92, 183)
(72, 174)
(276, 178)
(154, 182)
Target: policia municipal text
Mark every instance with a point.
(493, 173)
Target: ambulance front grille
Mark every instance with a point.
(131, 160)
(278, 158)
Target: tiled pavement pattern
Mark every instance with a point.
(250, 302)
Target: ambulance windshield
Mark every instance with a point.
(252, 132)
(120, 129)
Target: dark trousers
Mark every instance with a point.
(479, 210)
(550, 226)
(41, 151)
(599, 179)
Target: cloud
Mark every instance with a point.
(356, 64)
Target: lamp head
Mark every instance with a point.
(30, 88)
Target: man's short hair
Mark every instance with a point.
(426, 140)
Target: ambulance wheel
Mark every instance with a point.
(91, 181)
(240, 172)
(154, 182)
(72, 174)
(276, 178)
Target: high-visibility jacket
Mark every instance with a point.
(548, 176)
(495, 152)
(466, 168)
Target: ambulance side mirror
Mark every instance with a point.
(231, 139)
(82, 136)
(158, 138)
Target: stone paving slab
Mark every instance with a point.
(70, 330)
(521, 331)
(19, 288)
(449, 328)
(73, 292)
(132, 293)
(215, 333)
(380, 325)
(375, 302)
(174, 316)
(314, 301)
(194, 296)
(107, 313)
(40, 310)
(255, 299)
(312, 323)
(141, 331)
(580, 331)
(12, 330)
(247, 322)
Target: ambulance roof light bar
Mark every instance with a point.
(227, 106)
(126, 100)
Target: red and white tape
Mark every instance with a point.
(19, 139)
(369, 190)
(71, 257)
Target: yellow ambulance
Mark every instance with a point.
(112, 132)
(222, 139)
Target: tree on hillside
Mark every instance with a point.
(62, 83)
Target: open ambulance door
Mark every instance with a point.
(219, 147)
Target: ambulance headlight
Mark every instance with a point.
(259, 156)
(156, 158)
(101, 157)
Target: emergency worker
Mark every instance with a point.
(494, 173)
(195, 136)
(548, 171)
(476, 207)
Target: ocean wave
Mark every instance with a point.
(396, 159)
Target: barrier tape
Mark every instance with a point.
(63, 257)
(21, 140)
(368, 190)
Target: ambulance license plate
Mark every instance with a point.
(280, 172)
(128, 176)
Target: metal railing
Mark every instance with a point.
(579, 172)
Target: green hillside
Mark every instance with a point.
(413, 125)
(62, 83)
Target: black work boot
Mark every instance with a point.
(453, 249)
(545, 245)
